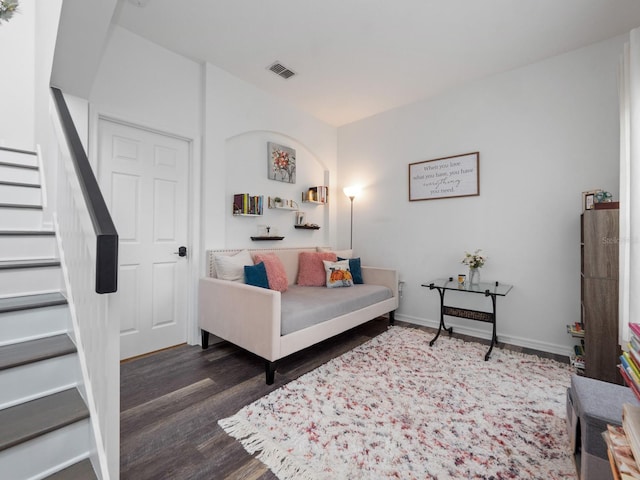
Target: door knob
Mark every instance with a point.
(182, 252)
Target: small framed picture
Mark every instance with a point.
(589, 199)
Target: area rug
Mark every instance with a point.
(396, 408)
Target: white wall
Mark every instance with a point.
(239, 121)
(145, 84)
(545, 133)
(17, 79)
(230, 123)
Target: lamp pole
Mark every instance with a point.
(351, 197)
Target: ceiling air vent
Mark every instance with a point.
(281, 70)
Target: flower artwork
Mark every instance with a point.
(7, 9)
(282, 163)
(474, 260)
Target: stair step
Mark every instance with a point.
(20, 205)
(79, 471)
(29, 263)
(20, 218)
(35, 418)
(35, 380)
(27, 302)
(24, 353)
(19, 184)
(15, 245)
(48, 453)
(19, 157)
(27, 317)
(40, 277)
(20, 193)
(15, 172)
(27, 233)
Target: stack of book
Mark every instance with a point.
(245, 204)
(630, 360)
(577, 357)
(624, 444)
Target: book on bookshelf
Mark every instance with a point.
(631, 426)
(245, 204)
(629, 366)
(623, 463)
(576, 329)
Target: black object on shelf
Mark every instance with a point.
(272, 237)
(307, 227)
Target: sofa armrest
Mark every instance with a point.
(244, 315)
(382, 276)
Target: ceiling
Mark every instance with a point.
(356, 58)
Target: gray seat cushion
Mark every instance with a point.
(303, 307)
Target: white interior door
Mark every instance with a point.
(144, 176)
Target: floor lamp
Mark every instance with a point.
(351, 192)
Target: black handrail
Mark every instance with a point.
(105, 230)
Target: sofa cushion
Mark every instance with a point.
(231, 267)
(356, 269)
(256, 275)
(311, 271)
(275, 271)
(303, 307)
(338, 274)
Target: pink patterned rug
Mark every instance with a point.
(396, 408)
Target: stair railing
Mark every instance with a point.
(89, 255)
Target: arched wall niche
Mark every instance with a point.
(246, 171)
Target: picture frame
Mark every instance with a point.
(446, 177)
(589, 199)
(281, 163)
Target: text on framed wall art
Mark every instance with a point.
(457, 176)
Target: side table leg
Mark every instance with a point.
(442, 326)
(494, 337)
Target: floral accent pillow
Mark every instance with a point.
(276, 274)
(338, 274)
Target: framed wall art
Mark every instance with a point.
(456, 176)
(281, 163)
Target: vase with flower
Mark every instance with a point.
(474, 261)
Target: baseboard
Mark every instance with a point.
(486, 335)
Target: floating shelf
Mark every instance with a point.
(307, 227)
(272, 204)
(272, 237)
(318, 195)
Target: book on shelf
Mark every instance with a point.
(576, 329)
(630, 360)
(631, 426)
(245, 204)
(623, 463)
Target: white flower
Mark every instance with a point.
(474, 260)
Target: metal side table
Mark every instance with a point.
(488, 289)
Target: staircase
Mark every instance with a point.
(45, 430)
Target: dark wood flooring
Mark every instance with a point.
(172, 400)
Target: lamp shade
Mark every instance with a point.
(352, 191)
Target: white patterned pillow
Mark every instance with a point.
(338, 274)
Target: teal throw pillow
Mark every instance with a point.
(355, 268)
(256, 275)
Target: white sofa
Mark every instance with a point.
(250, 317)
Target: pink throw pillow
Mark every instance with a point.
(276, 273)
(311, 269)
